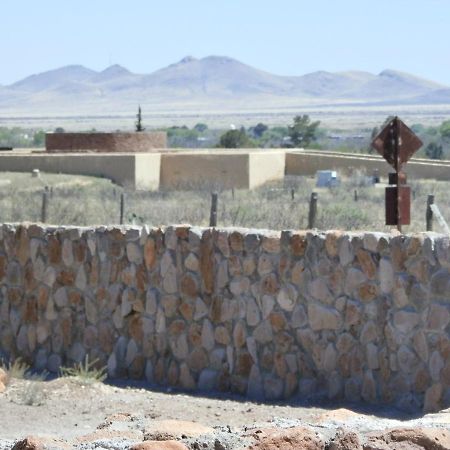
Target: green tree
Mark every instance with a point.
(39, 138)
(434, 151)
(200, 127)
(235, 139)
(139, 126)
(444, 129)
(259, 129)
(303, 131)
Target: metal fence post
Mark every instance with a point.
(213, 214)
(312, 210)
(429, 213)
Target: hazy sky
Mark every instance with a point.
(288, 37)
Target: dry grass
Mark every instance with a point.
(78, 200)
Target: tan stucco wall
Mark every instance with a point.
(131, 170)
(307, 162)
(225, 169)
(266, 166)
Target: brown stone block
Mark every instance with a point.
(244, 363)
(136, 369)
(195, 334)
(278, 321)
(135, 328)
(66, 278)
(188, 286)
(3, 265)
(177, 327)
(367, 292)
(270, 284)
(150, 255)
(298, 244)
(30, 310)
(15, 296)
(207, 263)
(236, 241)
(54, 250)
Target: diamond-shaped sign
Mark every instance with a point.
(396, 143)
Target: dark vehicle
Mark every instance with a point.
(5, 149)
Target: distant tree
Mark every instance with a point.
(444, 129)
(434, 151)
(39, 138)
(200, 127)
(259, 129)
(303, 131)
(60, 130)
(139, 126)
(235, 139)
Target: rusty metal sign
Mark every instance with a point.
(396, 143)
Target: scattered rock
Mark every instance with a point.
(158, 445)
(163, 430)
(286, 439)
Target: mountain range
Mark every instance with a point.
(214, 82)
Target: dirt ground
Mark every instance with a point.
(69, 413)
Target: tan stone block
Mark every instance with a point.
(332, 242)
(222, 336)
(195, 334)
(239, 334)
(433, 395)
(197, 360)
(271, 243)
(186, 309)
(366, 262)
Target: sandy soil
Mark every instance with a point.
(109, 416)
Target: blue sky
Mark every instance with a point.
(288, 37)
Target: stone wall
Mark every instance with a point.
(264, 314)
(105, 142)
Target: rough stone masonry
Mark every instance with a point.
(269, 315)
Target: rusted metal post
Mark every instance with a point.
(213, 214)
(429, 213)
(397, 143)
(122, 207)
(312, 210)
(44, 207)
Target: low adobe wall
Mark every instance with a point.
(132, 170)
(308, 162)
(240, 169)
(105, 142)
(267, 315)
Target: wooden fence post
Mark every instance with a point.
(429, 213)
(213, 214)
(122, 207)
(44, 207)
(312, 210)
